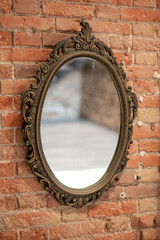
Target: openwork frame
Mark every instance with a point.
(82, 45)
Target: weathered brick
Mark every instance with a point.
(140, 15)
(148, 160)
(25, 70)
(15, 86)
(5, 6)
(32, 219)
(148, 174)
(23, 168)
(13, 152)
(146, 220)
(6, 169)
(112, 193)
(5, 71)
(110, 209)
(4, 38)
(117, 224)
(20, 185)
(143, 86)
(50, 39)
(125, 57)
(149, 204)
(12, 120)
(145, 58)
(148, 115)
(26, 6)
(127, 177)
(119, 42)
(149, 145)
(140, 71)
(24, 22)
(68, 10)
(6, 136)
(5, 54)
(150, 234)
(52, 202)
(26, 39)
(146, 3)
(65, 24)
(133, 147)
(6, 103)
(71, 214)
(108, 12)
(17, 102)
(146, 44)
(146, 131)
(9, 235)
(7, 204)
(142, 190)
(19, 136)
(133, 235)
(143, 29)
(30, 55)
(33, 234)
(150, 101)
(31, 202)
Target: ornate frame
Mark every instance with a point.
(81, 45)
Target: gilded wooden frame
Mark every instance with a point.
(81, 45)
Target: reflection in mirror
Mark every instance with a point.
(80, 123)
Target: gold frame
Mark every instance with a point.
(81, 45)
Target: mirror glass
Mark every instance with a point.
(80, 122)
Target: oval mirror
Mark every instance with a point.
(78, 120)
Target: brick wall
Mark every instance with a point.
(28, 30)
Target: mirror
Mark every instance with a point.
(80, 122)
(78, 119)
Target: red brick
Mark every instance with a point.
(26, 6)
(26, 39)
(6, 169)
(142, 190)
(127, 177)
(146, 3)
(4, 38)
(12, 120)
(25, 22)
(117, 224)
(158, 3)
(148, 115)
(25, 70)
(52, 202)
(112, 209)
(32, 219)
(108, 12)
(146, 220)
(146, 44)
(149, 204)
(5, 54)
(125, 57)
(19, 136)
(143, 86)
(5, 70)
(123, 2)
(98, 1)
(146, 131)
(26, 54)
(116, 2)
(72, 0)
(149, 160)
(50, 39)
(145, 58)
(17, 102)
(7, 204)
(71, 214)
(13, 152)
(12, 235)
(20, 185)
(150, 101)
(150, 234)
(68, 10)
(112, 193)
(6, 103)
(148, 174)
(32, 234)
(143, 29)
(70, 230)
(23, 168)
(15, 86)
(31, 202)
(65, 24)
(149, 145)
(133, 147)
(6, 136)
(120, 236)
(5, 6)
(140, 15)
(140, 71)
(119, 42)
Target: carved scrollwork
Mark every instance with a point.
(83, 43)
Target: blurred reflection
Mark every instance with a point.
(80, 123)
